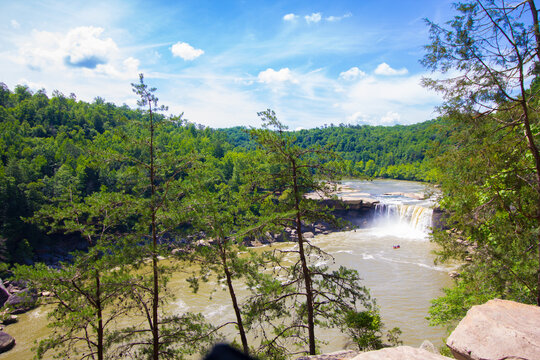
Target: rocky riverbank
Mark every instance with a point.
(15, 298)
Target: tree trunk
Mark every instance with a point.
(239, 321)
(155, 300)
(305, 268)
(99, 306)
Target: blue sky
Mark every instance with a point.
(220, 62)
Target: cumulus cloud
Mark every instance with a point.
(81, 49)
(271, 76)
(390, 118)
(338, 18)
(84, 48)
(186, 51)
(313, 18)
(386, 70)
(290, 17)
(352, 74)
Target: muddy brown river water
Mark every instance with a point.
(402, 280)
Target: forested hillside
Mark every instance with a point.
(396, 152)
(48, 147)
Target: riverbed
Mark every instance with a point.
(403, 280)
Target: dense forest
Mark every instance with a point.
(50, 142)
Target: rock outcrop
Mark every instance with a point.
(4, 293)
(498, 329)
(6, 342)
(400, 353)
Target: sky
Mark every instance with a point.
(221, 62)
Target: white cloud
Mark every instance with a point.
(352, 74)
(186, 51)
(356, 117)
(83, 47)
(313, 18)
(390, 118)
(81, 51)
(338, 18)
(385, 69)
(290, 17)
(15, 24)
(129, 69)
(271, 76)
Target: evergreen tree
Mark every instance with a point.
(312, 295)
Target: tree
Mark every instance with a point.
(490, 51)
(87, 291)
(156, 174)
(328, 296)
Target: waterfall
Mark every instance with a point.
(403, 217)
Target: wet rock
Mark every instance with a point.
(338, 355)
(498, 329)
(400, 353)
(453, 274)
(308, 235)
(7, 342)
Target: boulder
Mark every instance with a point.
(9, 319)
(338, 355)
(308, 235)
(6, 342)
(428, 346)
(4, 293)
(22, 301)
(400, 353)
(498, 329)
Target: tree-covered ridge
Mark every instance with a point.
(397, 152)
(50, 145)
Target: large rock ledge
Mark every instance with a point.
(498, 329)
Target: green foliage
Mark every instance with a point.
(397, 152)
(490, 178)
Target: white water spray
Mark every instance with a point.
(403, 220)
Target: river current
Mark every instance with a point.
(403, 280)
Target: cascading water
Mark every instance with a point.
(403, 219)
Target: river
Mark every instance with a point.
(402, 280)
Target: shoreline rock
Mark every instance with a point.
(7, 342)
